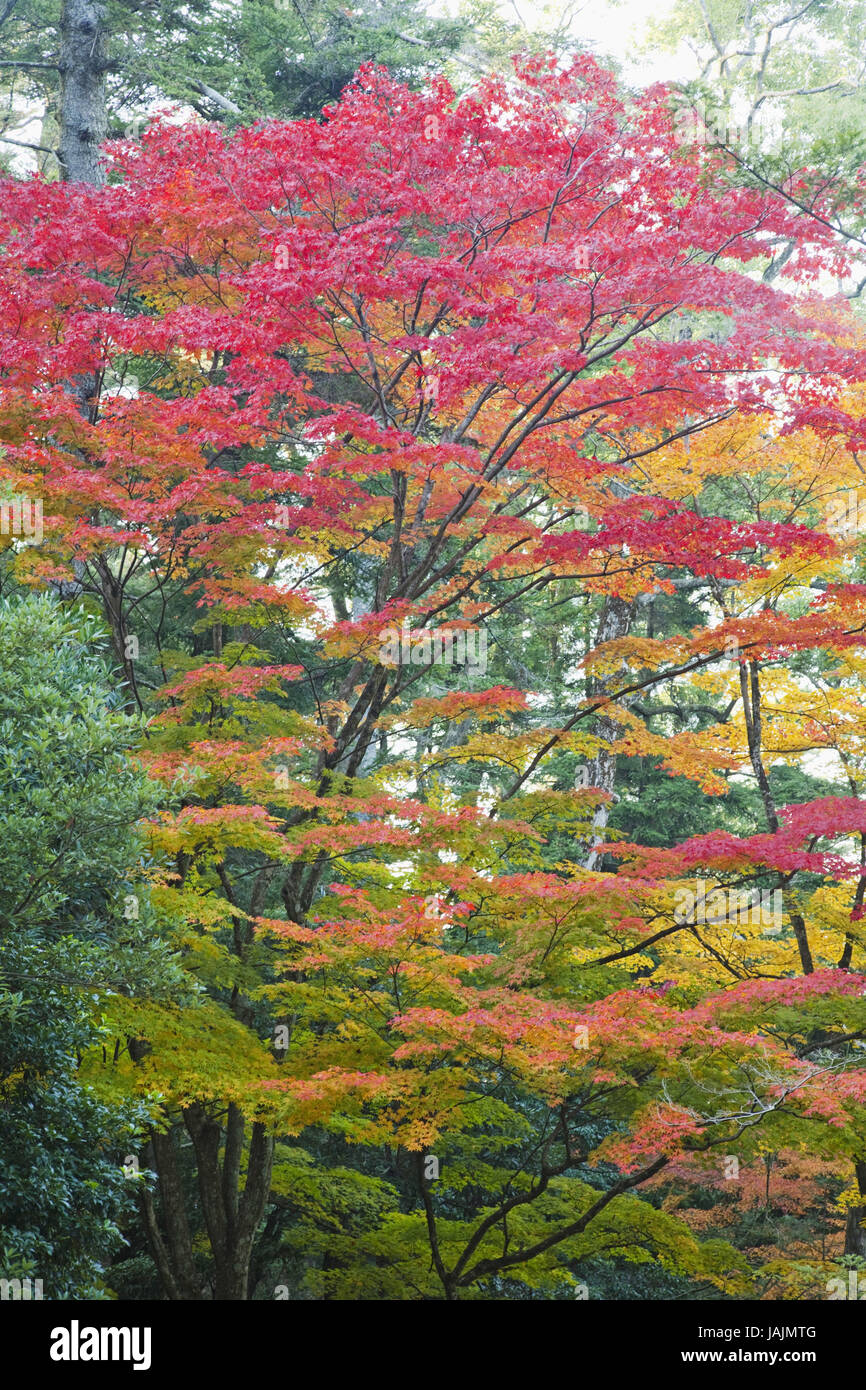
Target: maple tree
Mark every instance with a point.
(289, 391)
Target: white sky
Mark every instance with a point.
(609, 27)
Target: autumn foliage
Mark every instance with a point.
(419, 366)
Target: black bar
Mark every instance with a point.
(682, 1341)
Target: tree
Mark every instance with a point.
(801, 62)
(363, 389)
(102, 65)
(781, 88)
(68, 850)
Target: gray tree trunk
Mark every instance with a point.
(83, 121)
(83, 125)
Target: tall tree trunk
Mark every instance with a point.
(81, 112)
(855, 1231)
(83, 122)
(232, 1215)
(169, 1241)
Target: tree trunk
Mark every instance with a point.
(855, 1231)
(83, 120)
(82, 117)
(232, 1216)
(171, 1246)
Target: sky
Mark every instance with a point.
(611, 26)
